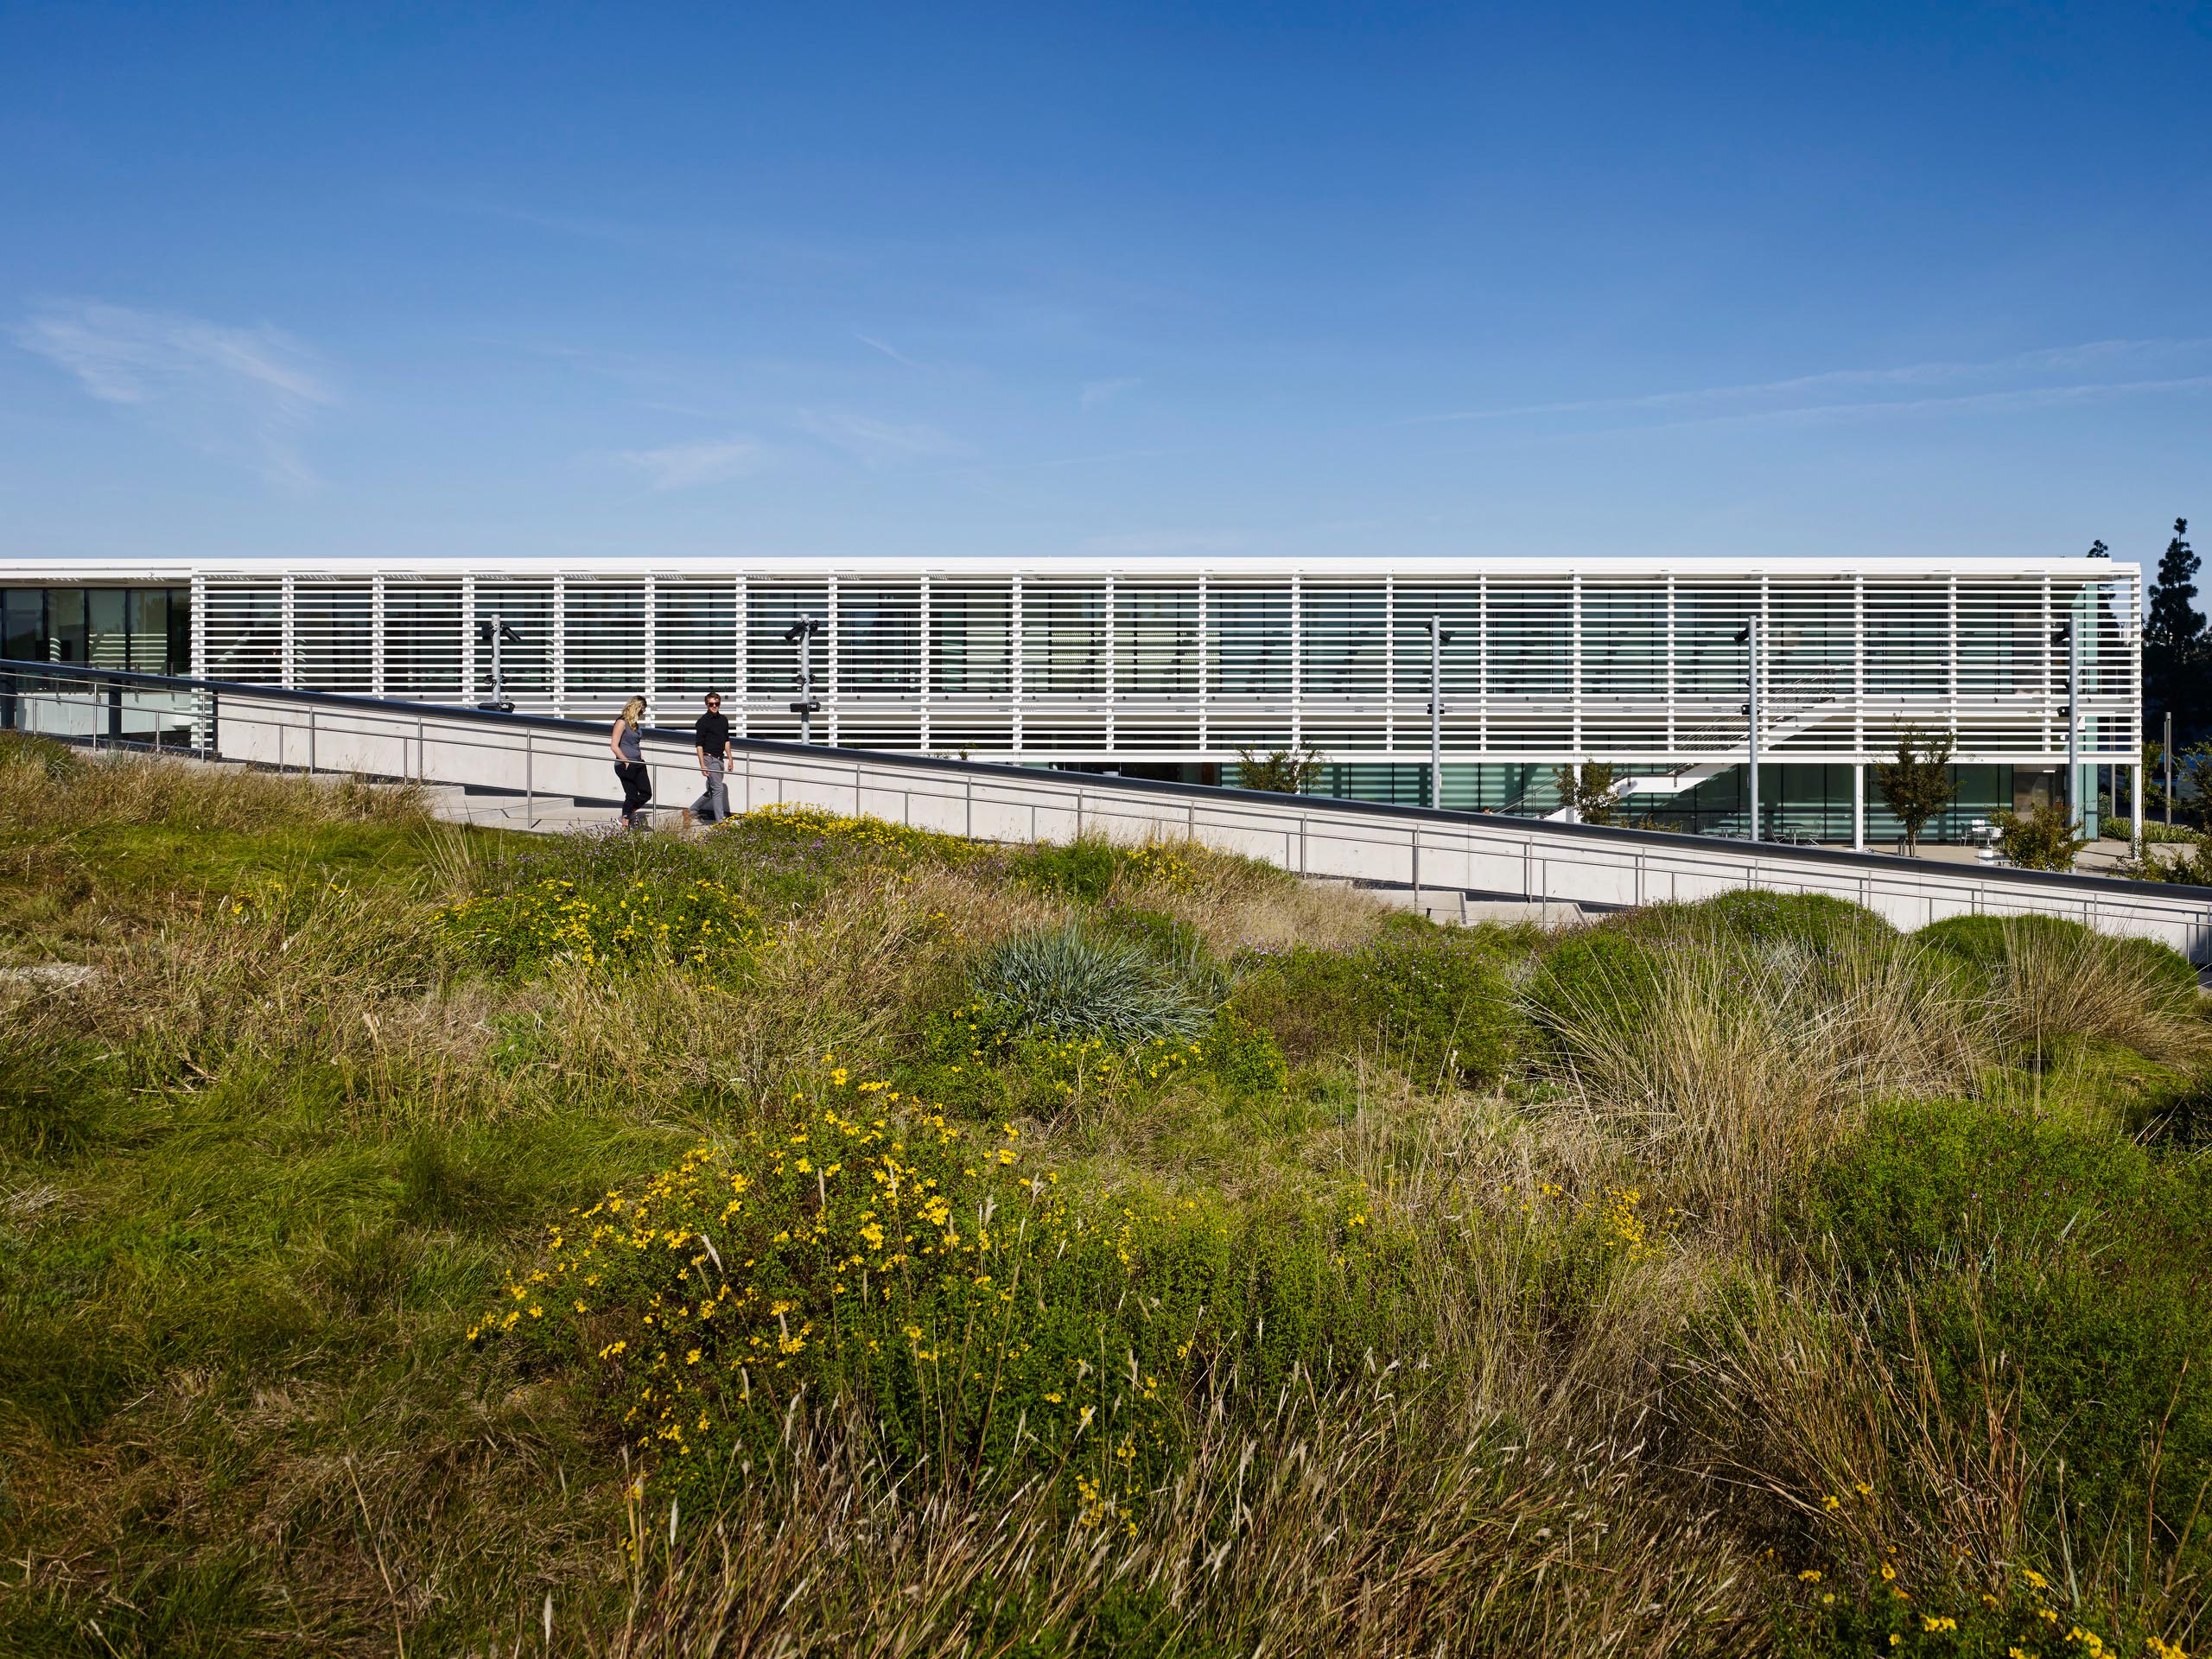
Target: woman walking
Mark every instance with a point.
(630, 761)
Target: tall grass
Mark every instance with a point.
(1733, 1061)
(1334, 1525)
(1604, 1360)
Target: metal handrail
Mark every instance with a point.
(1427, 849)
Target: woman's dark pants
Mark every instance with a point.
(636, 786)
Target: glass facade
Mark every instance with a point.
(1167, 667)
(140, 630)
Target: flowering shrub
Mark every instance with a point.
(1087, 867)
(864, 1250)
(699, 925)
(1989, 1608)
(871, 840)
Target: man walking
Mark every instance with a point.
(710, 738)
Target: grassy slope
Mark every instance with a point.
(257, 1182)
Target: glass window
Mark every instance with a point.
(107, 617)
(179, 651)
(65, 624)
(22, 632)
(148, 648)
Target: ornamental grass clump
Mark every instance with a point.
(2045, 977)
(1732, 1061)
(1073, 983)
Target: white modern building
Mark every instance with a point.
(1173, 667)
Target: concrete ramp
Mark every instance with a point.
(1485, 860)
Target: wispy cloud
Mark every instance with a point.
(707, 460)
(2011, 398)
(2029, 380)
(1095, 392)
(878, 442)
(891, 352)
(1169, 541)
(241, 394)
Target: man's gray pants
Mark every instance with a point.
(713, 805)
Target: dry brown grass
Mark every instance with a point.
(1746, 1060)
(1235, 902)
(1335, 1526)
(2087, 984)
(207, 798)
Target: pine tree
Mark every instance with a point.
(2176, 651)
(2173, 622)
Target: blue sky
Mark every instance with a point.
(1055, 280)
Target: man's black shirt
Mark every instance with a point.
(712, 733)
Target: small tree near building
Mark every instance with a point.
(1591, 790)
(1918, 785)
(1281, 773)
(2041, 838)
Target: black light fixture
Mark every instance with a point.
(496, 632)
(801, 633)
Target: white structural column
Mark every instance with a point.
(741, 626)
(1574, 669)
(922, 666)
(1859, 712)
(376, 634)
(2135, 677)
(1482, 668)
(1297, 665)
(468, 638)
(560, 687)
(1200, 678)
(653, 652)
(831, 634)
(289, 676)
(1113, 681)
(1015, 688)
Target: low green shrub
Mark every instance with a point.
(1433, 1003)
(856, 840)
(1868, 1607)
(1812, 920)
(977, 1058)
(2073, 1260)
(1089, 867)
(1606, 976)
(1992, 945)
(1082, 870)
(1242, 1059)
